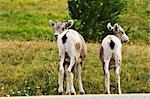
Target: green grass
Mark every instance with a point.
(28, 19)
(31, 68)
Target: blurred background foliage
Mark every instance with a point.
(28, 19)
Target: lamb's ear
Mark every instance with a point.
(69, 23)
(116, 26)
(109, 27)
(51, 23)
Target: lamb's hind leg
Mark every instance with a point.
(107, 78)
(81, 90)
(118, 71)
(107, 74)
(118, 79)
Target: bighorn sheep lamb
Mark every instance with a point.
(110, 53)
(72, 52)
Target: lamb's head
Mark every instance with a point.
(59, 27)
(118, 31)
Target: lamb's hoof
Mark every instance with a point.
(60, 93)
(82, 93)
(67, 93)
(72, 93)
(106, 93)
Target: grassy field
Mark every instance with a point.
(28, 19)
(30, 68)
(29, 56)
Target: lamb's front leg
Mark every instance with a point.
(61, 74)
(70, 87)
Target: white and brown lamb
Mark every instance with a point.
(72, 52)
(110, 53)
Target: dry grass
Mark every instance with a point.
(30, 68)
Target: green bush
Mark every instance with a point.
(93, 16)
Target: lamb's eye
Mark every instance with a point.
(122, 32)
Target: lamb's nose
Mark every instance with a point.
(126, 41)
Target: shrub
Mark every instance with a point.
(93, 15)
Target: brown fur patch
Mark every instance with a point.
(77, 46)
(101, 54)
(82, 54)
(112, 63)
(83, 48)
(67, 58)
